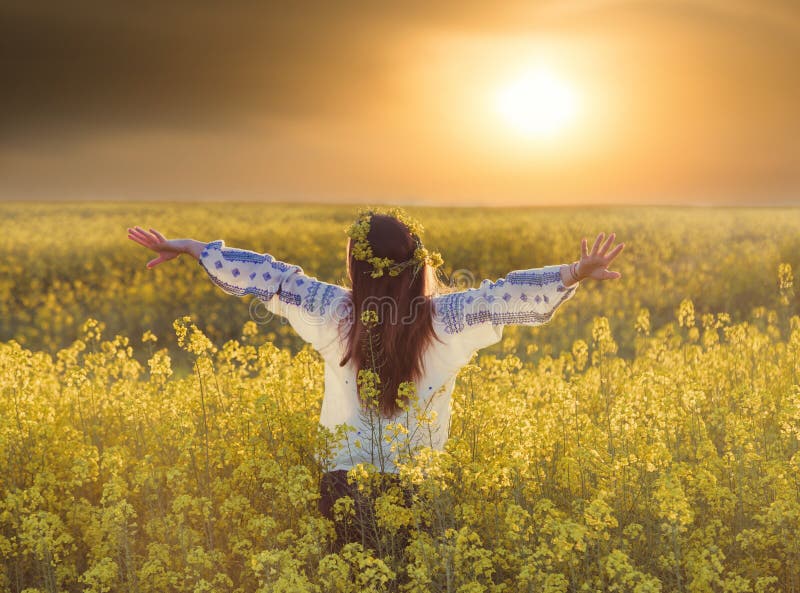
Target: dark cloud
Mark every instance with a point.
(76, 64)
(101, 63)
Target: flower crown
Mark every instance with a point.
(362, 250)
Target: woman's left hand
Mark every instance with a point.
(594, 263)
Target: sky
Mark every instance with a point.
(643, 102)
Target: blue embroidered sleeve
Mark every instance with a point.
(523, 297)
(313, 308)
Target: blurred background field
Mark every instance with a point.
(66, 262)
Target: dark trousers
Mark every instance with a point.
(363, 526)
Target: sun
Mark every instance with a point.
(537, 104)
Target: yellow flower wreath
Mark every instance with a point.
(362, 250)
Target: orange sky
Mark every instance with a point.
(679, 101)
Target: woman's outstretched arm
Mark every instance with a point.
(523, 297)
(313, 308)
(238, 272)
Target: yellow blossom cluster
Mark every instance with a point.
(647, 440)
(674, 470)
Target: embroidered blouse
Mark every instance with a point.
(320, 313)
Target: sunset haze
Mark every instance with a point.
(670, 102)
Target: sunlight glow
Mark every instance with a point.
(537, 104)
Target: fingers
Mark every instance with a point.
(601, 248)
(607, 244)
(164, 256)
(139, 231)
(603, 252)
(133, 235)
(140, 234)
(154, 262)
(159, 236)
(152, 239)
(137, 237)
(597, 242)
(615, 252)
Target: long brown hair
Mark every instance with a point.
(405, 326)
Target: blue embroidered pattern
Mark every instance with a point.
(505, 317)
(281, 266)
(515, 317)
(238, 291)
(534, 277)
(451, 308)
(327, 297)
(311, 295)
(241, 255)
(289, 297)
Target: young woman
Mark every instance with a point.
(418, 336)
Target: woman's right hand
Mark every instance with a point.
(155, 241)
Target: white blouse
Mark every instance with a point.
(464, 321)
